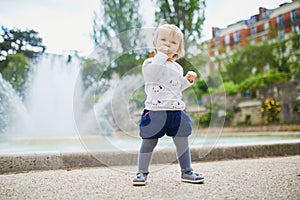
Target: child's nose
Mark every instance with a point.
(167, 43)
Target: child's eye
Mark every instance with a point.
(163, 39)
(173, 42)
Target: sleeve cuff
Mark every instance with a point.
(160, 58)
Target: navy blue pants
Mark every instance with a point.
(156, 124)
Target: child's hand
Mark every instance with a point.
(190, 76)
(164, 49)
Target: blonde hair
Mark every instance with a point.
(174, 30)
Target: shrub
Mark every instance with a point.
(270, 111)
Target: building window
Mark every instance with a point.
(265, 38)
(280, 20)
(217, 42)
(236, 36)
(253, 30)
(217, 33)
(281, 34)
(227, 39)
(266, 26)
(295, 28)
(294, 15)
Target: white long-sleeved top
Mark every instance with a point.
(164, 83)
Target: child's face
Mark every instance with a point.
(168, 42)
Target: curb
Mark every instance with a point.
(20, 162)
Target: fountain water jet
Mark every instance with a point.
(55, 109)
(48, 110)
(49, 101)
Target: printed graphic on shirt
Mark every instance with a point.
(174, 83)
(176, 104)
(155, 102)
(157, 88)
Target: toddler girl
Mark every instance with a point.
(164, 109)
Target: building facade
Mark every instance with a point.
(267, 24)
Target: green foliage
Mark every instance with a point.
(17, 41)
(17, 49)
(138, 96)
(16, 71)
(126, 62)
(295, 56)
(91, 72)
(236, 68)
(118, 17)
(281, 55)
(188, 15)
(239, 66)
(200, 88)
(296, 108)
(261, 80)
(122, 20)
(229, 87)
(230, 113)
(287, 54)
(204, 120)
(214, 80)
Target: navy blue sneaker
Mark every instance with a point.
(191, 177)
(140, 179)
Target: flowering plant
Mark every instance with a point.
(270, 111)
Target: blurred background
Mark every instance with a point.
(246, 54)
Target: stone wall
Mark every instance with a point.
(281, 129)
(288, 94)
(249, 114)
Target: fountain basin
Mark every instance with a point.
(124, 143)
(100, 152)
(20, 162)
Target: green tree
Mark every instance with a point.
(287, 55)
(188, 15)
(15, 41)
(17, 49)
(237, 68)
(260, 80)
(295, 57)
(120, 19)
(119, 16)
(281, 55)
(16, 72)
(91, 72)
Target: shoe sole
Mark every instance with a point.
(192, 181)
(138, 183)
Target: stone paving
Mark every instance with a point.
(255, 178)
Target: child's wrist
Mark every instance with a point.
(190, 80)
